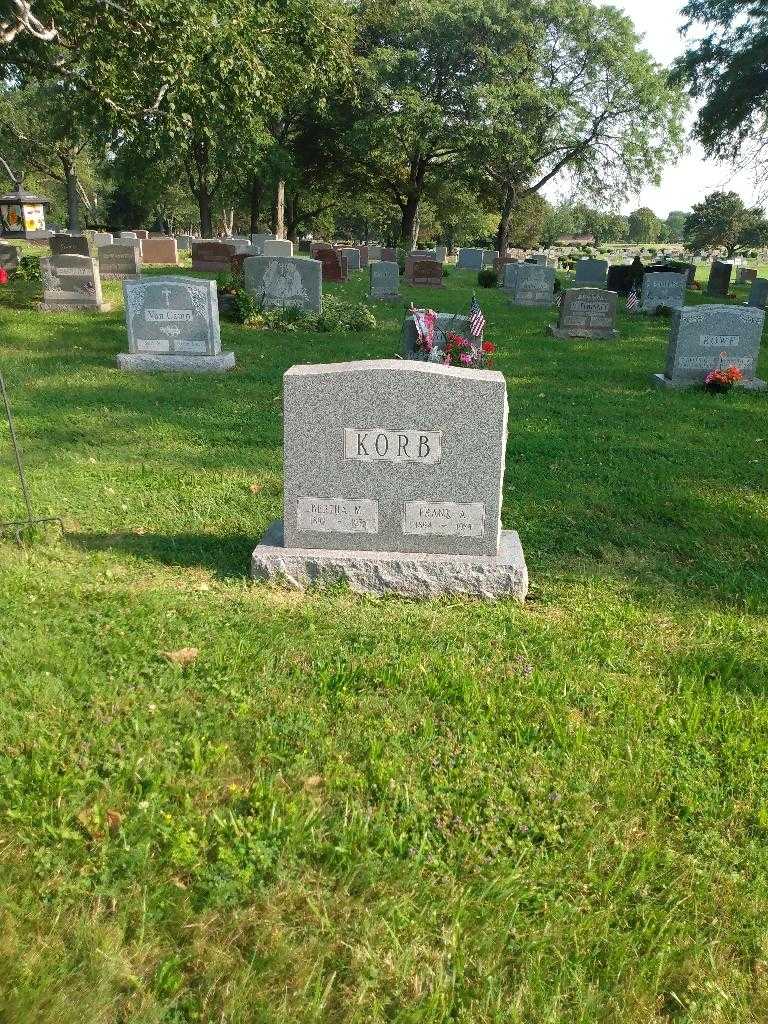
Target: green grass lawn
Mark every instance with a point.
(366, 810)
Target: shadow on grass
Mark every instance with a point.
(227, 557)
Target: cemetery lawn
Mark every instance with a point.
(350, 809)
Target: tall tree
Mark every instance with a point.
(723, 221)
(587, 104)
(644, 225)
(726, 69)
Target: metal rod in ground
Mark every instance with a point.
(30, 520)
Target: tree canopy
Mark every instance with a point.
(723, 221)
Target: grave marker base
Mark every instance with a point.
(395, 572)
(142, 362)
(660, 381)
(577, 333)
(62, 307)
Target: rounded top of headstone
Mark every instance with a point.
(390, 366)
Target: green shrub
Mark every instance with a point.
(28, 269)
(337, 315)
(487, 278)
(446, 270)
(245, 306)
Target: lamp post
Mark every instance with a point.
(22, 213)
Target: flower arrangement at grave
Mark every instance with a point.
(3, 275)
(722, 379)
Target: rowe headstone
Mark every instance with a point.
(719, 278)
(284, 282)
(591, 273)
(69, 245)
(707, 337)
(333, 263)
(446, 323)
(384, 280)
(102, 238)
(470, 259)
(71, 282)
(119, 261)
(393, 482)
(758, 293)
(9, 258)
(586, 313)
(160, 251)
(663, 290)
(212, 256)
(173, 324)
(534, 285)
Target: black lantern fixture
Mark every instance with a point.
(22, 213)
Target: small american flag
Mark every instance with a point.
(476, 318)
(632, 302)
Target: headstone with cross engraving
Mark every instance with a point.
(173, 324)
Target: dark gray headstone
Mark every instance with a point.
(591, 273)
(534, 285)
(353, 257)
(284, 281)
(9, 257)
(663, 290)
(384, 280)
(719, 278)
(69, 245)
(470, 259)
(758, 293)
(586, 313)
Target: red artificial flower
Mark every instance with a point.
(3, 275)
(488, 346)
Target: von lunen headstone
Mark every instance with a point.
(119, 261)
(9, 257)
(71, 282)
(707, 337)
(384, 280)
(591, 273)
(284, 282)
(719, 278)
(393, 481)
(534, 285)
(586, 313)
(160, 251)
(663, 290)
(173, 324)
(758, 293)
(69, 245)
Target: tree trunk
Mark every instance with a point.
(206, 215)
(409, 225)
(73, 200)
(256, 195)
(502, 234)
(228, 217)
(278, 211)
(292, 217)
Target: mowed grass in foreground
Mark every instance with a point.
(350, 809)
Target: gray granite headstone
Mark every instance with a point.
(719, 278)
(758, 293)
(586, 313)
(393, 481)
(183, 242)
(119, 261)
(71, 282)
(173, 324)
(470, 259)
(9, 257)
(490, 256)
(257, 242)
(703, 338)
(446, 322)
(353, 257)
(384, 280)
(102, 238)
(127, 234)
(277, 247)
(591, 273)
(534, 285)
(661, 289)
(509, 278)
(69, 245)
(283, 282)
(441, 252)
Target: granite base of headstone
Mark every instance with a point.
(173, 325)
(711, 337)
(393, 482)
